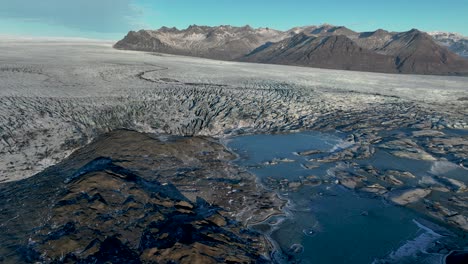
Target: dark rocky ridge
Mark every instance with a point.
(131, 198)
(331, 52)
(323, 46)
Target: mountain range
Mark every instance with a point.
(223, 42)
(324, 46)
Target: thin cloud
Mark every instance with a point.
(103, 16)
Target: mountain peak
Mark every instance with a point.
(167, 29)
(324, 28)
(414, 31)
(379, 33)
(327, 29)
(327, 25)
(247, 27)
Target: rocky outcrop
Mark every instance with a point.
(128, 197)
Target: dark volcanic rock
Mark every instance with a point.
(113, 215)
(131, 198)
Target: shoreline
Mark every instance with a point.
(286, 214)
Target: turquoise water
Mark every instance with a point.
(329, 223)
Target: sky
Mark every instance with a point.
(112, 19)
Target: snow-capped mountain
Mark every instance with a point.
(453, 41)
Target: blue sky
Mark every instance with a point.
(111, 19)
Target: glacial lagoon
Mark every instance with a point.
(325, 222)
